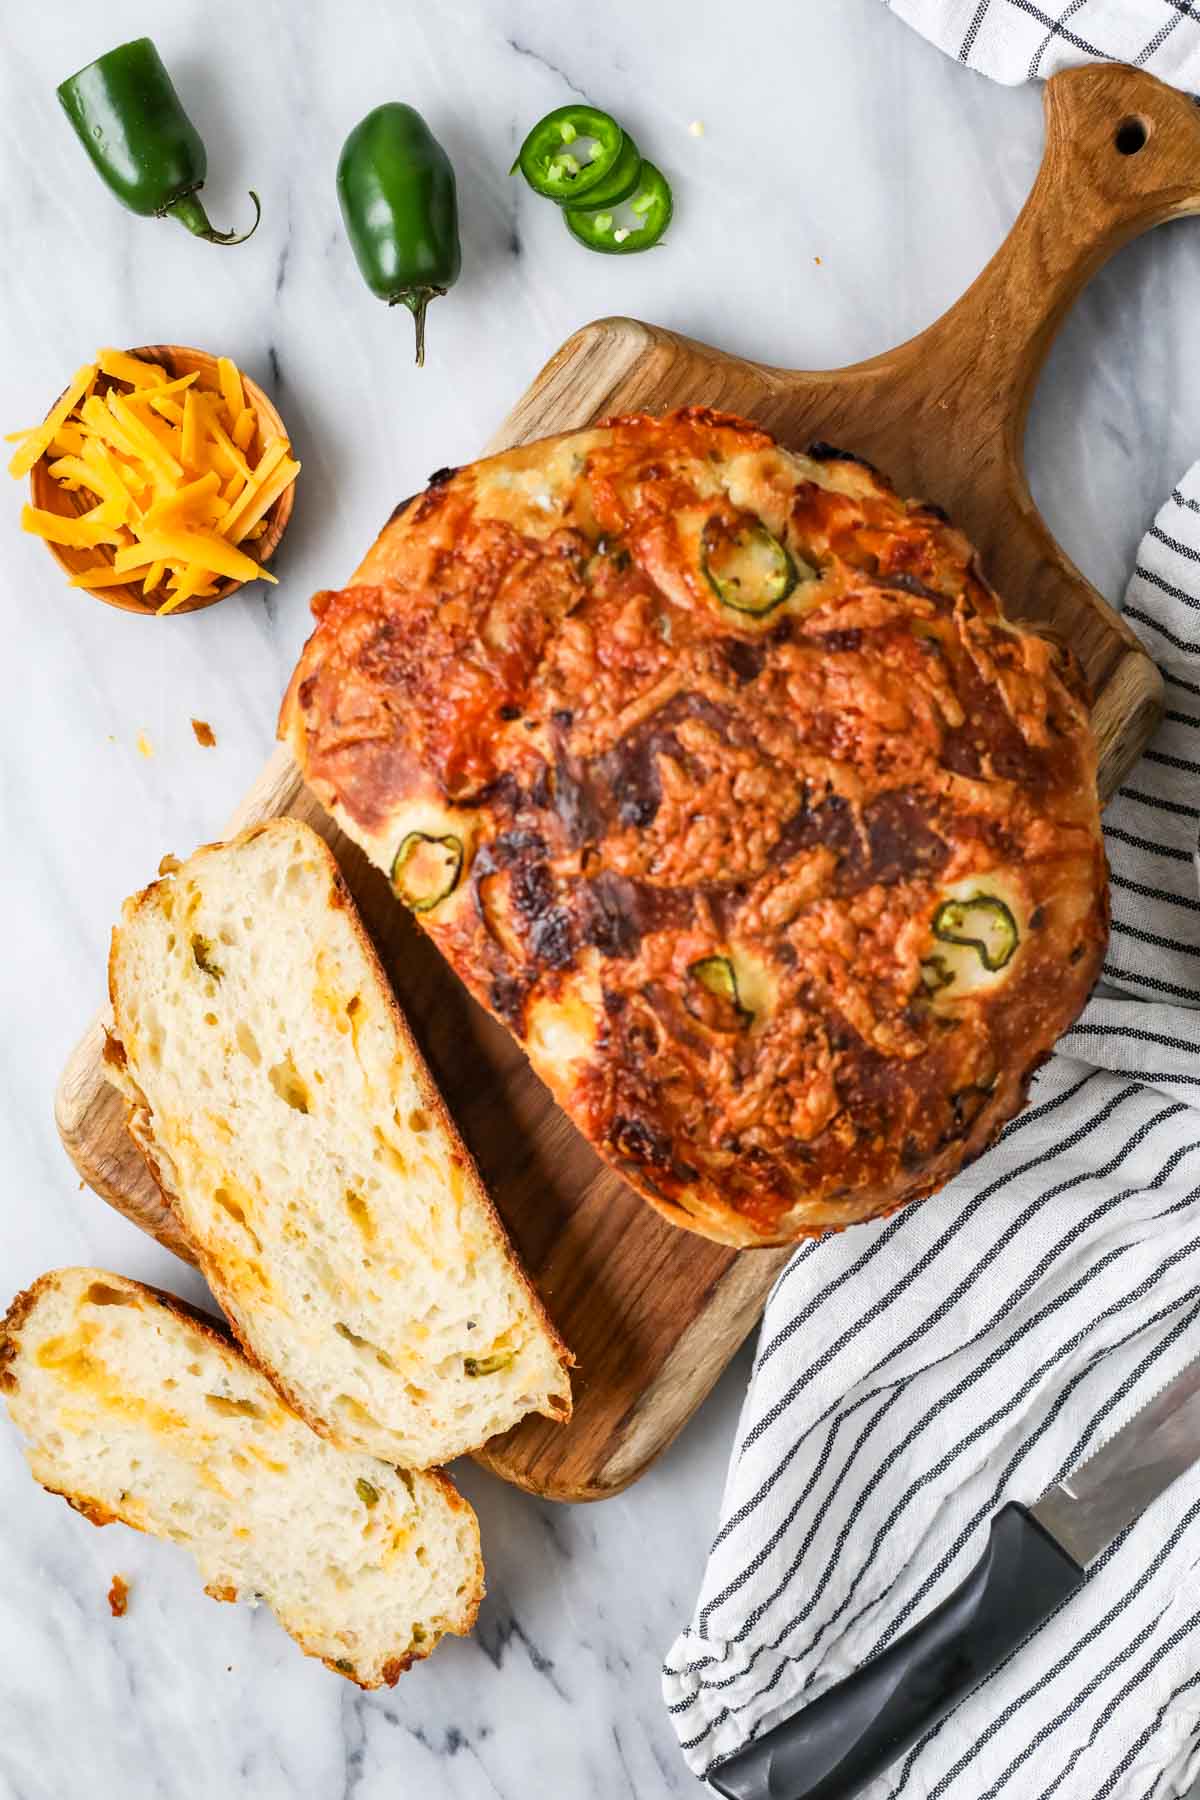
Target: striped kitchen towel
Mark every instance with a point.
(1018, 40)
(914, 1375)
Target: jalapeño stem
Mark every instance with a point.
(189, 211)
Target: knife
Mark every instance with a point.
(1035, 1559)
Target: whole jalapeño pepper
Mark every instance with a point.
(399, 204)
(131, 122)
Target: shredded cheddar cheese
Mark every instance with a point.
(82, 533)
(36, 442)
(178, 469)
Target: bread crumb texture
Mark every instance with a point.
(134, 1410)
(334, 1211)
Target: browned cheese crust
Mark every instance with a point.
(736, 879)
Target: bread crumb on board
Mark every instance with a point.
(144, 746)
(696, 128)
(118, 1597)
(204, 733)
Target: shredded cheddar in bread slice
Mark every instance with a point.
(285, 1111)
(136, 1409)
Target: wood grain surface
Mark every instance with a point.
(652, 1313)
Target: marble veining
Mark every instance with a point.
(848, 184)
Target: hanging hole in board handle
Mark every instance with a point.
(1131, 135)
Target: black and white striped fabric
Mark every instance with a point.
(914, 1375)
(1019, 40)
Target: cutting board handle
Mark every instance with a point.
(1122, 154)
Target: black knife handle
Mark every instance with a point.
(856, 1730)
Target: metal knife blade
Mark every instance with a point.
(1094, 1504)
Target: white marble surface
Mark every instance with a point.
(830, 133)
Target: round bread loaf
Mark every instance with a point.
(719, 775)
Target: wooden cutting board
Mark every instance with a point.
(652, 1313)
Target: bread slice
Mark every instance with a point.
(135, 1408)
(286, 1112)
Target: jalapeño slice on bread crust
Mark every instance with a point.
(427, 869)
(984, 924)
(746, 568)
(719, 1003)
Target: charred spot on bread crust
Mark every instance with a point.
(820, 451)
(848, 640)
(745, 657)
(606, 920)
(640, 1142)
(506, 997)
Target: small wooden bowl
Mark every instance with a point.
(45, 492)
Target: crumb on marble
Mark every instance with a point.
(696, 128)
(204, 733)
(118, 1597)
(144, 746)
(817, 260)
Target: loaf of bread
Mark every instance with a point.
(719, 774)
(135, 1408)
(284, 1108)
